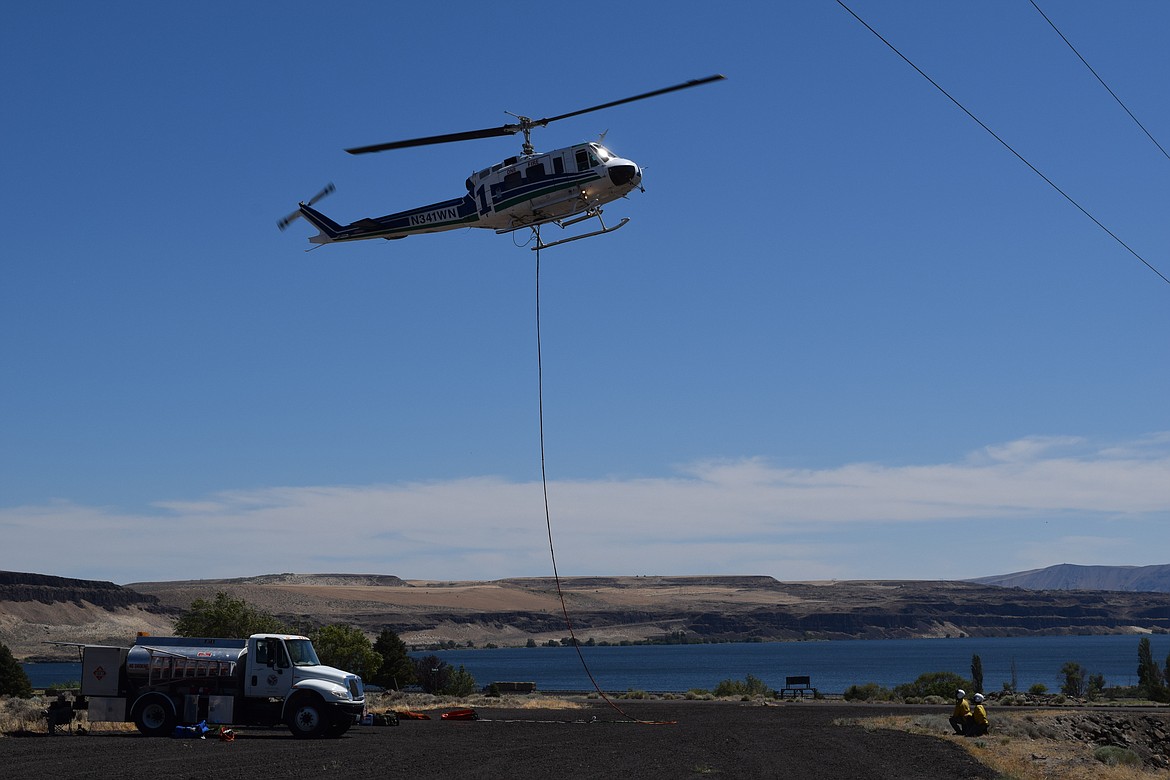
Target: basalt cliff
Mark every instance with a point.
(35, 609)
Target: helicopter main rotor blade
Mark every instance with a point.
(655, 93)
(525, 123)
(490, 132)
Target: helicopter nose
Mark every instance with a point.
(624, 174)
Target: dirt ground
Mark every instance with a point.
(722, 739)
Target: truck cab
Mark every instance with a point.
(286, 667)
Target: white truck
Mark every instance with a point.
(264, 680)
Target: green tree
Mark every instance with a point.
(1074, 679)
(225, 616)
(1095, 687)
(942, 684)
(13, 680)
(432, 672)
(459, 683)
(348, 648)
(1150, 683)
(397, 667)
(437, 676)
(977, 674)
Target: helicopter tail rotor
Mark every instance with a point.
(284, 222)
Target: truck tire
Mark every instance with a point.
(307, 716)
(154, 715)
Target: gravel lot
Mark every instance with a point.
(709, 739)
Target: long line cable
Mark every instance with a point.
(1098, 77)
(548, 515)
(1006, 145)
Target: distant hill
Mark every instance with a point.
(1069, 576)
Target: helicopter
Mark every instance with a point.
(563, 187)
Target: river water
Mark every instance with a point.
(833, 666)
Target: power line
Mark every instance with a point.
(1107, 89)
(1006, 145)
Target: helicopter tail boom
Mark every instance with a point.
(330, 230)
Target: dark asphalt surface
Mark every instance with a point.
(708, 739)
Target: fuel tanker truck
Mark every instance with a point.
(264, 680)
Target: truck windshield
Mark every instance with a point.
(302, 653)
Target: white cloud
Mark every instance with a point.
(1034, 495)
(1029, 448)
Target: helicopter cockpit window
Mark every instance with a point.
(602, 152)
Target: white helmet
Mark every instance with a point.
(979, 698)
(959, 694)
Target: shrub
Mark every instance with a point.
(1039, 689)
(942, 684)
(868, 692)
(1112, 755)
(749, 686)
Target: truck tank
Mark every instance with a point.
(170, 657)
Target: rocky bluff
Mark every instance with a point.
(733, 608)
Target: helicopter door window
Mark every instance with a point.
(558, 164)
(535, 172)
(513, 179)
(582, 160)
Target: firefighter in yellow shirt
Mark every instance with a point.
(979, 723)
(962, 714)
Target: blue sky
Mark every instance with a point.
(845, 335)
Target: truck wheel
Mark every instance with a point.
(154, 715)
(307, 717)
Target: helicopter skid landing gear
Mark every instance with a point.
(540, 244)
